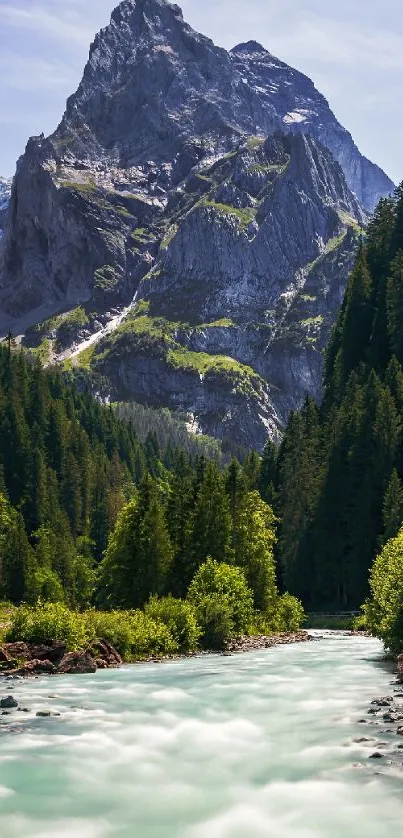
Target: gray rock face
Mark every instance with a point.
(302, 108)
(160, 185)
(256, 283)
(5, 192)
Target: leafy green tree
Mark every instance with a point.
(222, 600)
(179, 617)
(384, 611)
(254, 550)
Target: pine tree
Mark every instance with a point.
(393, 508)
(395, 306)
(139, 555)
(210, 526)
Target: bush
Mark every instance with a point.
(214, 615)
(45, 586)
(180, 619)
(384, 612)
(222, 601)
(291, 614)
(49, 621)
(134, 634)
(360, 623)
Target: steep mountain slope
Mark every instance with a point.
(5, 192)
(158, 185)
(302, 108)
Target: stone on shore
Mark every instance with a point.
(77, 663)
(251, 644)
(51, 657)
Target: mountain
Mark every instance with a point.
(194, 262)
(5, 192)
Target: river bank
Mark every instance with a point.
(24, 660)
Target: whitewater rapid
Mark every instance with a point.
(260, 745)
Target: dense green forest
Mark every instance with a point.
(338, 475)
(92, 516)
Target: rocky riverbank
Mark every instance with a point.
(52, 658)
(386, 714)
(252, 644)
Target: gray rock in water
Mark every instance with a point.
(8, 703)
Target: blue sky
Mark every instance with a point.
(352, 49)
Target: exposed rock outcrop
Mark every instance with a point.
(52, 658)
(5, 192)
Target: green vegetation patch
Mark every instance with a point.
(255, 142)
(142, 236)
(79, 186)
(260, 168)
(312, 321)
(44, 351)
(224, 323)
(82, 360)
(244, 377)
(106, 278)
(169, 236)
(244, 216)
(350, 221)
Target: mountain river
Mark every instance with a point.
(257, 745)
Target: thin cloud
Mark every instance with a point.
(57, 22)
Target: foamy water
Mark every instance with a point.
(251, 746)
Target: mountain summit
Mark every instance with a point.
(201, 208)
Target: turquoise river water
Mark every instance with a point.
(257, 745)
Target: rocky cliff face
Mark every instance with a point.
(161, 187)
(5, 192)
(302, 109)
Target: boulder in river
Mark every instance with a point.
(105, 656)
(77, 663)
(8, 703)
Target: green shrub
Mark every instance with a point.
(222, 601)
(384, 612)
(180, 619)
(134, 634)
(215, 617)
(45, 586)
(49, 621)
(291, 614)
(360, 623)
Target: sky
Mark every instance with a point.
(352, 49)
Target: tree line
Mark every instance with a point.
(337, 477)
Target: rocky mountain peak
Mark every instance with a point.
(249, 48)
